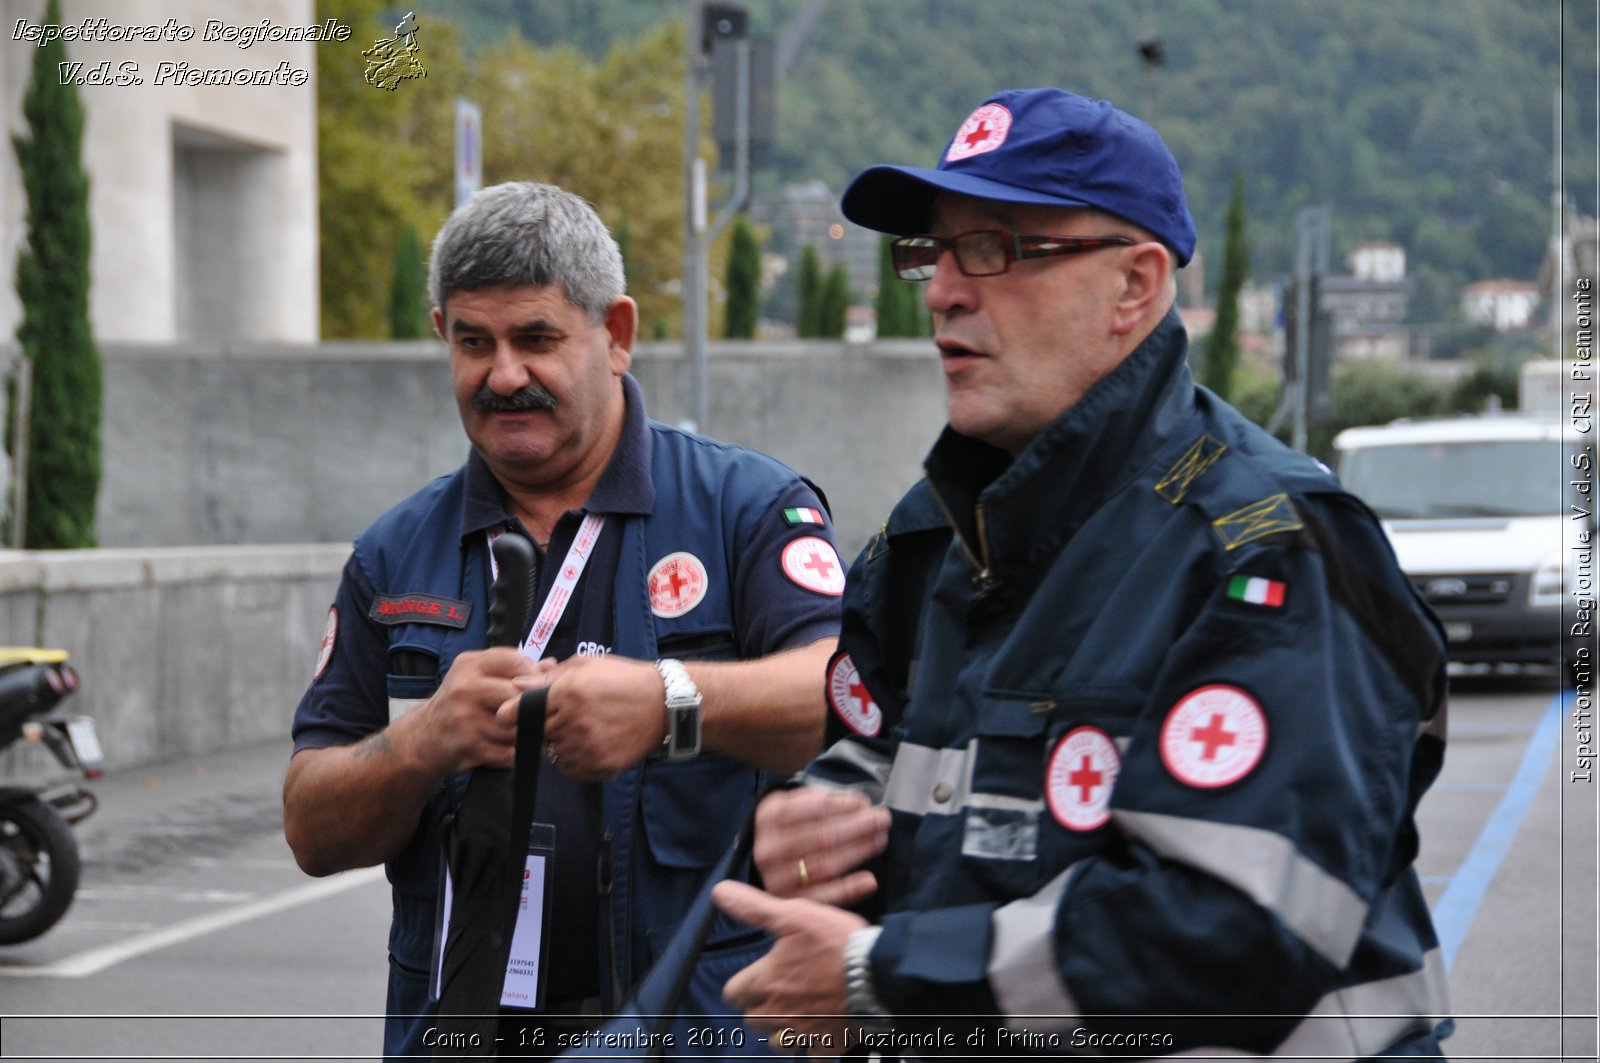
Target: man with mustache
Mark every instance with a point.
(690, 600)
(1132, 706)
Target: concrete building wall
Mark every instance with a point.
(255, 443)
(202, 198)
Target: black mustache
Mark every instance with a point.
(532, 397)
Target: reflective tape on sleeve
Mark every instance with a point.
(1324, 912)
(850, 765)
(1360, 1021)
(1023, 973)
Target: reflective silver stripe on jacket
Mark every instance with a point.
(1364, 1020)
(851, 756)
(1023, 974)
(1327, 914)
(924, 780)
(398, 707)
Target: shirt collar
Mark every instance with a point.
(624, 487)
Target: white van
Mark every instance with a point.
(1480, 513)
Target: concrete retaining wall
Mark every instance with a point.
(181, 650)
(188, 643)
(276, 443)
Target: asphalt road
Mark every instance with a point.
(194, 935)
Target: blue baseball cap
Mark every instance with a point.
(1038, 146)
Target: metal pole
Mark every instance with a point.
(1311, 259)
(694, 265)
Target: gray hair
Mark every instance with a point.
(525, 233)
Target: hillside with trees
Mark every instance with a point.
(1425, 122)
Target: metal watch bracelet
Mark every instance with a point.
(682, 741)
(860, 999)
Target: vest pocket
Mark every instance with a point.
(691, 810)
(407, 692)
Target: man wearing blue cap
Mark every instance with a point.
(1132, 706)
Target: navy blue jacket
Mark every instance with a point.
(664, 825)
(1153, 707)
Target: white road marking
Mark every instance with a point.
(93, 961)
(163, 893)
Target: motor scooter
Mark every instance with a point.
(38, 853)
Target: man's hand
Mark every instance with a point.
(604, 714)
(810, 841)
(459, 728)
(358, 805)
(799, 984)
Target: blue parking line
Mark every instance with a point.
(1453, 915)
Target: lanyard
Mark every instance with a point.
(555, 603)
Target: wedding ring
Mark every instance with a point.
(550, 752)
(805, 876)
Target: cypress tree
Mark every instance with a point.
(835, 302)
(408, 297)
(809, 322)
(53, 287)
(890, 307)
(743, 282)
(1222, 346)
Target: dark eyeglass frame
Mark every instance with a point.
(1014, 246)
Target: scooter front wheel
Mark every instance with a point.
(38, 868)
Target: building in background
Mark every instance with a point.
(1504, 305)
(202, 197)
(1367, 305)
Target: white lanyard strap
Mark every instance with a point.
(555, 603)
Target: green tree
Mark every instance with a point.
(834, 303)
(1222, 346)
(53, 287)
(408, 291)
(743, 282)
(808, 325)
(899, 311)
(1375, 393)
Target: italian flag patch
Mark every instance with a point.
(1257, 591)
(803, 516)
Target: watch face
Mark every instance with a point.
(685, 731)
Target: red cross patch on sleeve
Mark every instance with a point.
(1214, 736)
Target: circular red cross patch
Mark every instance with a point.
(1213, 736)
(814, 564)
(330, 631)
(1079, 777)
(676, 584)
(849, 697)
(984, 130)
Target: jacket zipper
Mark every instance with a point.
(984, 580)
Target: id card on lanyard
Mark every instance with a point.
(524, 981)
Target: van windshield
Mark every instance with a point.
(1509, 478)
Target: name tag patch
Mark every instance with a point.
(419, 609)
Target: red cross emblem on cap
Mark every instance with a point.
(1215, 735)
(984, 130)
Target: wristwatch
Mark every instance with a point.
(683, 711)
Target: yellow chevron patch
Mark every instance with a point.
(1197, 459)
(1256, 521)
(879, 543)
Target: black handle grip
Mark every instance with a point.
(511, 597)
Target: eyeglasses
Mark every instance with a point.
(986, 252)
